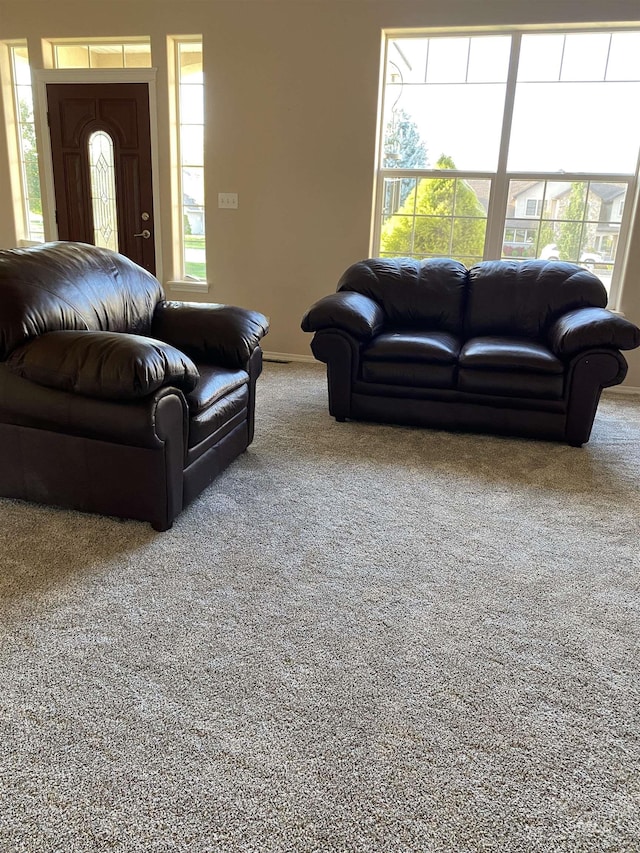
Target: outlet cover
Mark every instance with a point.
(228, 200)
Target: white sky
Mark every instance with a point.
(575, 108)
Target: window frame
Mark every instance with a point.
(500, 178)
(181, 281)
(52, 46)
(21, 196)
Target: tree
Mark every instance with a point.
(449, 220)
(570, 232)
(403, 145)
(403, 149)
(30, 156)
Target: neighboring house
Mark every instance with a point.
(194, 213)
(602, 225)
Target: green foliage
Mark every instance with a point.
(196, 269)
(30, 156)
(546, 235)
(449, 220)
(186, 225)
(569, 233)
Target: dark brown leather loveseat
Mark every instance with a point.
(520, 348)
(112, 399)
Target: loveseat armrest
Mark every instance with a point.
(352, 312)
(591, 328)
(106, 365)
(223, 335)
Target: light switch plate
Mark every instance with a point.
(228, 200)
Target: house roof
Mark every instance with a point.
(607, 192)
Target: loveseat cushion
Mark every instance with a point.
(510, 367)
(108, 365)
(525, 298)
(519, 354)
(431, 347)
(428, 293)
(411, 358)
(511, 383)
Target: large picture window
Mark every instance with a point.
(509, 145)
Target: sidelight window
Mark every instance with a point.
(32, 221)
(190, 156)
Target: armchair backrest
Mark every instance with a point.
(74, 286)
(412, 293)
(524, 298)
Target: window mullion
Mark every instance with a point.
(500, 186)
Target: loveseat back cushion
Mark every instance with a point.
(72, 286)
(108, 365)
(512, 298)
(426, 293)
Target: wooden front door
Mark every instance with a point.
(101, 152)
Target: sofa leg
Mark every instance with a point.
(340, 419)
(161, 526)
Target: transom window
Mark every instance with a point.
(102, 54)
(515, 145)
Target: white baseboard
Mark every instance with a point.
(627, 390)
(288, 356)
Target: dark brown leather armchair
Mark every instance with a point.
(507, 347)
(112, 399)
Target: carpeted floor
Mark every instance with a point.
(360, 638)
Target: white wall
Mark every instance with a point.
(292, 91)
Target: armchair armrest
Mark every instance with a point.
(223, 335)
(353, 312)
(588, 328)
(108, 365)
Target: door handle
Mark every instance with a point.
(145, 234)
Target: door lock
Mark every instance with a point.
(144, 234)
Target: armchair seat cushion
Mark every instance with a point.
(214, 383)
(511, 354)
(415, 346)
(209, 425)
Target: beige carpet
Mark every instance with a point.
(360, 638)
